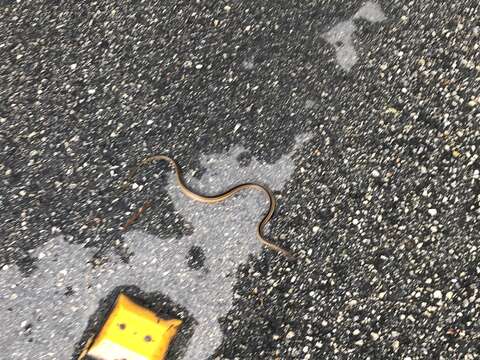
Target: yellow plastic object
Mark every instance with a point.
(132, 332)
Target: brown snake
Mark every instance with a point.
(214, 199)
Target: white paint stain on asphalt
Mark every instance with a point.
(341, 35)
(42, 322)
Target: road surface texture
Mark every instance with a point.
(363, 117)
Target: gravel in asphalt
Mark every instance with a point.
(382, 207)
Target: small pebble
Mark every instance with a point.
(432, 212)
(395, 345)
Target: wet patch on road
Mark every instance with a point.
(225, 232)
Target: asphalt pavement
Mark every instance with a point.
(363, 118)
